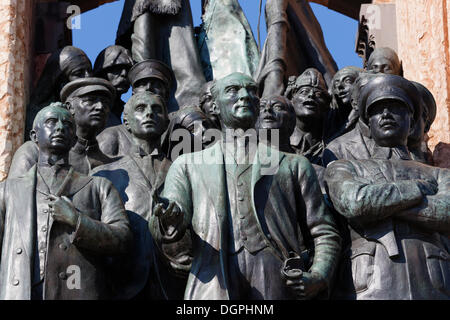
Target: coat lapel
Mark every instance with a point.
(266, 162)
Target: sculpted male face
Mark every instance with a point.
(424, 122)
(75, 64)
(153, 85)
(276, 113)
(53, 130)
(342, 87)
(90, 110)
(207, 104)
(384, 60)
(237, 99)
(145, 116)
(117, 75)
(389, 122)
(310, 102)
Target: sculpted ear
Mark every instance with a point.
(33, 136)
(125, 122)
(69, 106)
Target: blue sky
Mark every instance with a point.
(99, 26)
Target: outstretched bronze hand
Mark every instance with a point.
(169, 215)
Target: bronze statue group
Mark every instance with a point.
(315, 187)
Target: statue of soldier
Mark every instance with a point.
(416, 140)
(311, 101)
(56, 222)
(88, 99)
(247, 245)
(137, 176)
(397, 210)
(384, 60)
(113, 64)
(359, 144)
(342, 117)
(151, 76)
(163, 30)
(63, 66)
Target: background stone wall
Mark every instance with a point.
(16, 34)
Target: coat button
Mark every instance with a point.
(19, 250)
(240, 184)
(44, 229)
(45, 211)
(62, 275)
(15, 282)
(241, 198)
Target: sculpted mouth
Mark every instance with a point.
(269, 119)
(310, 104)
(58, 139)
(149, 123)
(388, 124)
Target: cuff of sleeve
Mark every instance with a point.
(409, 191)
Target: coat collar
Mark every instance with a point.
(77, 182)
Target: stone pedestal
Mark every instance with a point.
(16, 30)
(423, 46)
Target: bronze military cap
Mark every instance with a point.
(151, 69)
(83, 86)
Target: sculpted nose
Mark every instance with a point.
(243, 94)
(59, 126)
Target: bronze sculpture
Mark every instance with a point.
(240, 249)
(113, 64)
(163, 30)
(142, 273)
(207, 105)
(63, 66)
(187, 132)
(294, 43)
(311, 101)
(416, 140)
(359, 143)
(149, 75)
(276, 113)
(384, 60)
(56, 221)
(342, 116)
(397, 209)
(88, 99)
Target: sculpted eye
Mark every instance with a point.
(231, 89)
(140, 108)
(304, 92)
(278, 107)
(51, 121)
